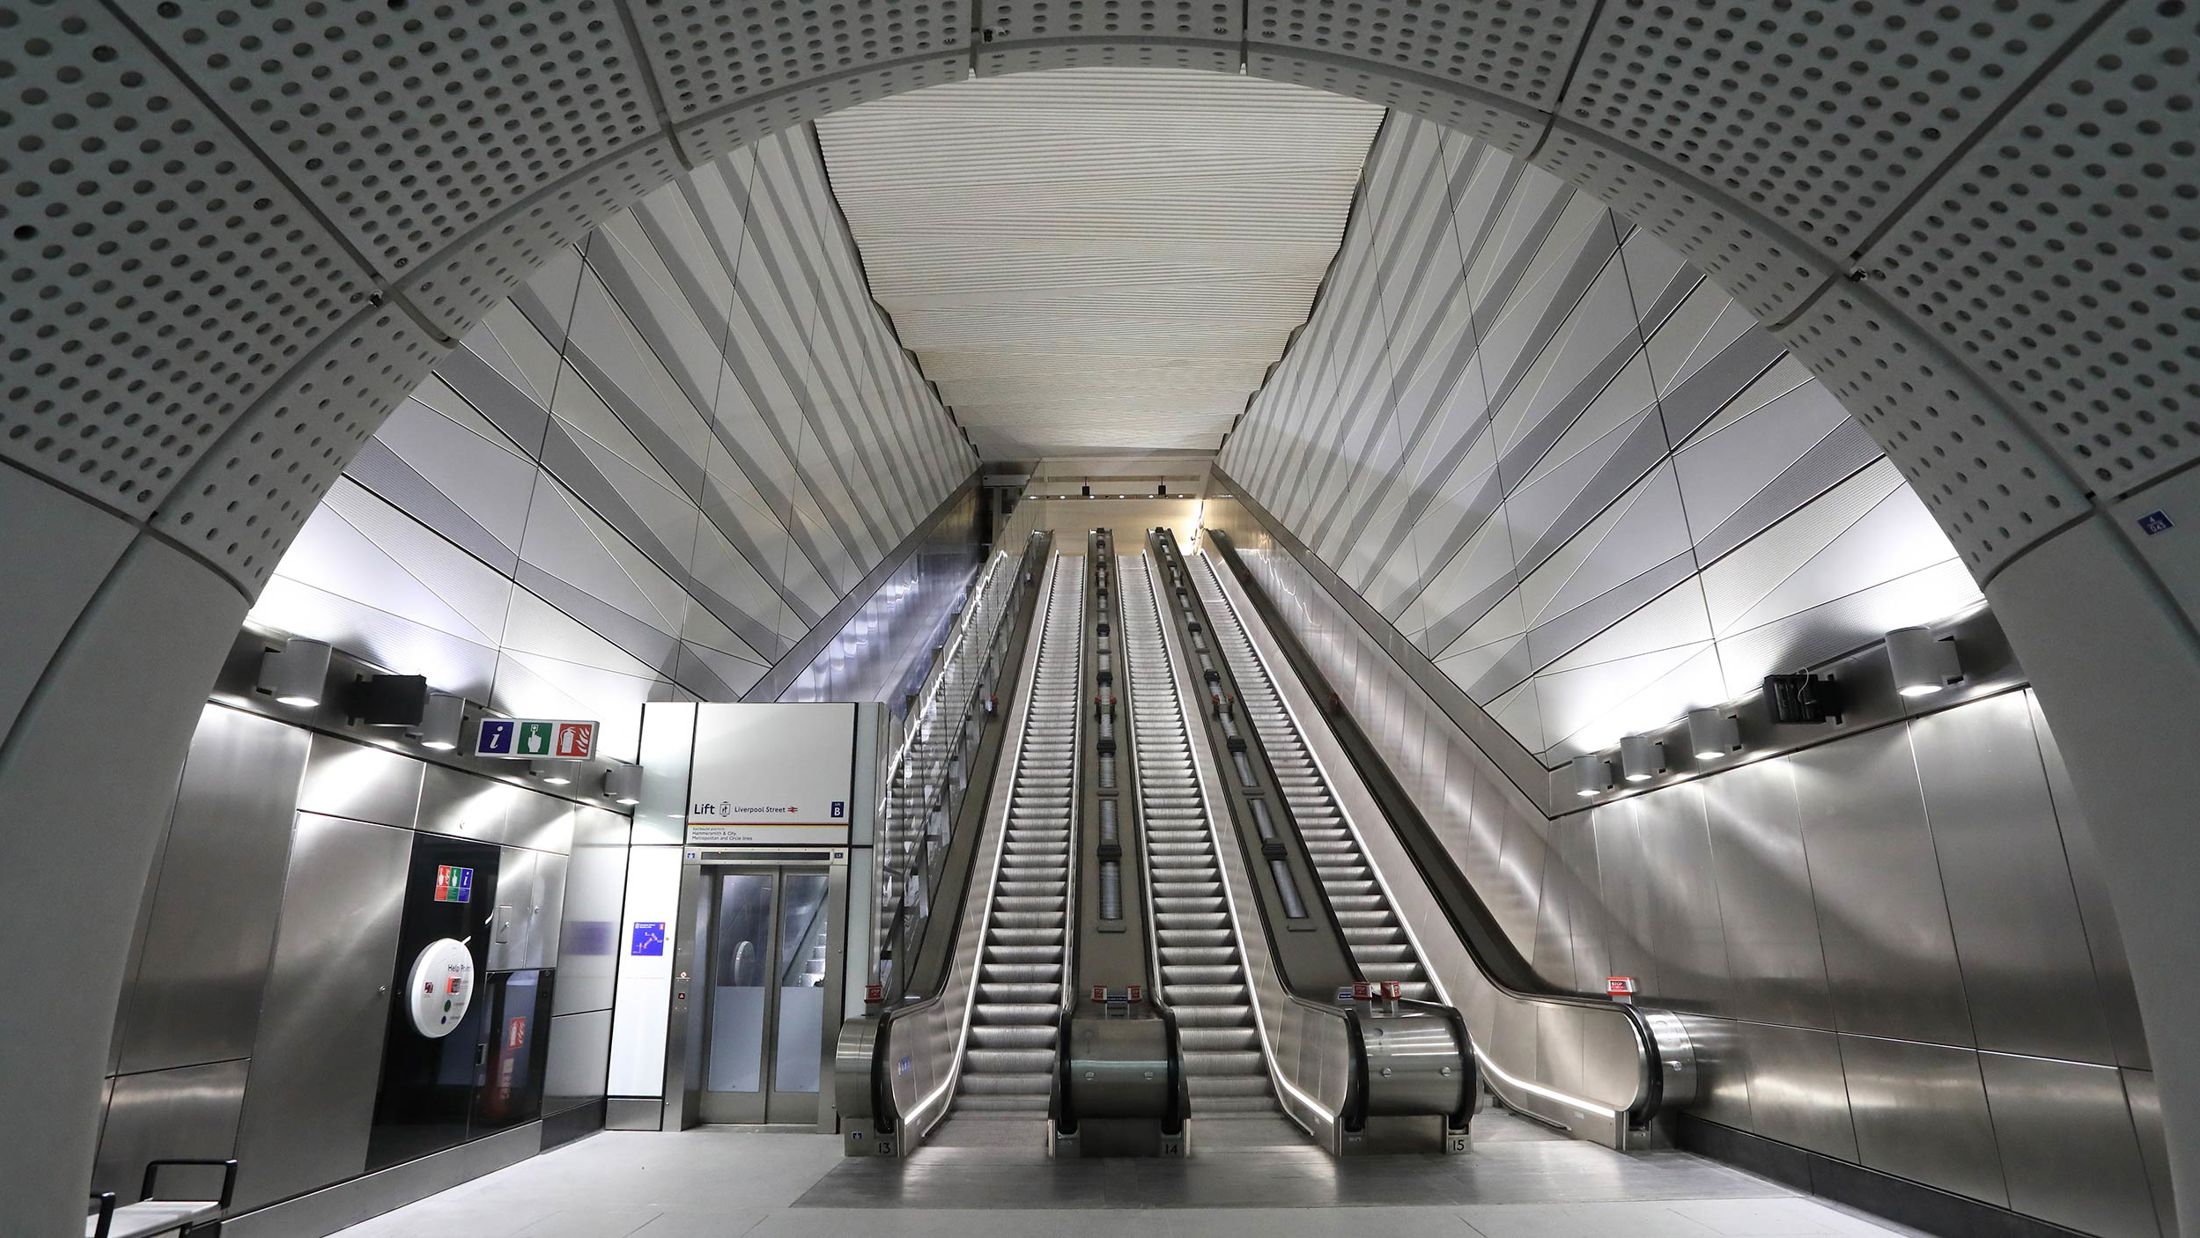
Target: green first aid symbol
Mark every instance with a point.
(534, 739)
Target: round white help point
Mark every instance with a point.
(441, 988)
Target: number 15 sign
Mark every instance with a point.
(535, 739)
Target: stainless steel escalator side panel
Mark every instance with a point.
(896, 1071)
(1633, 1062)
(1120, 1087)
(1381, 949)
(1307, 1047)
(1197, 954)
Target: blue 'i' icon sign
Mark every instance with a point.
(496, 737)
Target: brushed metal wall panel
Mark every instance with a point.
(548, 915)
(595, 894)
(2067, 1145)
(542, 822)
(1890, 955)
(2146, 1120)
(1513, 896)
(360, 782)
(1574, 854)
(2018, 936)
(508, 917)
(1686, 935)
(1623, 871)
(319, 1052)
(2103, 937)
(190, 1111)
(1765, 897)
(1798, 1092)
(580, 1059)
(1921, 1114)
(1722, 1071)
(463, 805)
(212, 924)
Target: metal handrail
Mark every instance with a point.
(1661, 1044)
(941, 796)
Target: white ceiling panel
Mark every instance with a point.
(1098, 259)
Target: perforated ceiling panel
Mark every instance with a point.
(458, 286)
(731, 73)
(158, 278)
(2058, 257)
(1989, 484)
(1823, 116)
(411, 124)
(1017, 36)
(241, 507)
(1765, 269)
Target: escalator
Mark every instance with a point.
(1359, 1063)
(1009, 1065)
(1378, 941)
(1031, 1000)
(1635, 1064)
(1203, 978)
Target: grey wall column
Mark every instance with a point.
(2117, 670)
(87, 768)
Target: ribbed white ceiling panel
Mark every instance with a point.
(1098, 259)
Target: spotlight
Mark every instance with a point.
(1592, 775)
(551, 775)
(295, 674)
(1712, 734)
(1923, 664)
(622, 784)
(1641, 758)
(441, 722)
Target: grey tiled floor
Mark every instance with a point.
(725, 1183)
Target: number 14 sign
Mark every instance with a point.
(535, 739)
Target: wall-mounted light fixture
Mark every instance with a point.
(1712, 734)
(295, 674)
(1923, 664)
(1641, 758)
(622, 784)
(1592, 775)
(551, 773)
(441, 722)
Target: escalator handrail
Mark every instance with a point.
(1353, 1113)
(1474, 923)
(1021, 616)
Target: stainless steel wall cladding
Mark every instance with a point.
(254, 1026)
(211, 927)
(187, 1111)
(1893, 948)
(314, 1066)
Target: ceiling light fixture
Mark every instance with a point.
(295, 674)
(1923, 663)
(1713, 734)
(1641, 758)
(1592, 775)
(441, 722)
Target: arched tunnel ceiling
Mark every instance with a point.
(1097, 259)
